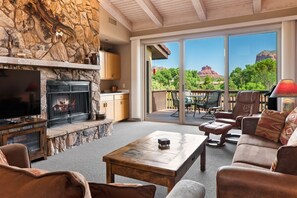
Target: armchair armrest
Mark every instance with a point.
(227, 115)
(187, 188)
(16, 155)
(249, 125)
(246, 182)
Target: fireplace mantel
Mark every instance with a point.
(46, 63)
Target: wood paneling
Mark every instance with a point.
(180, 12)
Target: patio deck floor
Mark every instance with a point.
(164, 116)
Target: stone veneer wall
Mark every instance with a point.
(60, 30)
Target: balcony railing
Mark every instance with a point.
(163, 100)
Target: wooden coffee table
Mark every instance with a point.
(143, 160)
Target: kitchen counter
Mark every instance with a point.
(124, 91)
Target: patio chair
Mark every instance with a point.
(175, 100)
(247, 104)
(210, 103)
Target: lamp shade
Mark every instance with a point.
(285, 88)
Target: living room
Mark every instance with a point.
(63, 48)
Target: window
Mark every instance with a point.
(252, 61)
(204, 64)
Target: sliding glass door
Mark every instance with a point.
(180, 74)
(252, 63)
(204, 72)
(162, 80)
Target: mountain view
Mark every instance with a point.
(208, 71)
(258, 76)
(266, 54)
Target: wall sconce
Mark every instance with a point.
(286, 88)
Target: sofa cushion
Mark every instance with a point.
(257, 141)
(16, 182)
(240, 164)
(290, 126)
(270, 124)
(254, 155)
(118, 191)
(3, 159)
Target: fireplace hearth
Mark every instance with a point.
(67, 102)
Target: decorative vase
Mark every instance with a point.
(95, 59)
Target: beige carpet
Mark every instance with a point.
(87, 158)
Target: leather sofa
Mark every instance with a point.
(17, 180)
(249, 175)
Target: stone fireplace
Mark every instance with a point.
(67, 86)
(67, 102)
(57, 38)
(74, 82)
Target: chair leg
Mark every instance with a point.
(223, 139)
(174, 114)
(215, 143)
(232, 137)
(208, 115)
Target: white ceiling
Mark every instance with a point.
(138, 15)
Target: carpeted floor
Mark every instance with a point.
(87, 158)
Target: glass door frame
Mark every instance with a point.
(225, 33)
(181, 116)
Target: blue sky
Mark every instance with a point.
(210, 51)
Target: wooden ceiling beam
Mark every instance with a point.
(115, 12)
(151, 11)
(257, 6)
(200, 9)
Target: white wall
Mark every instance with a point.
(116, 34)
(125, 53)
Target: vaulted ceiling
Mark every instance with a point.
(138, 15)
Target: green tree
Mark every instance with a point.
(192, 79)
(208, 83)
(259, 76)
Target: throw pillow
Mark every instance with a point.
(3, 159)
(293, 139)
(270, 124)
(290, 126)
(117, 191)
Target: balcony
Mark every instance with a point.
(162, 106)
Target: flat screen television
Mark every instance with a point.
(19, 93)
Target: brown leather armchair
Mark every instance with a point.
(16, 155)
(70, 184)
(247, 104)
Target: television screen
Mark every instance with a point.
(19, 93)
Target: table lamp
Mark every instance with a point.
(287, 89)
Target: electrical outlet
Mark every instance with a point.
(124, 85)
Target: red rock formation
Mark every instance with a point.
(266, 54)
(208, 71)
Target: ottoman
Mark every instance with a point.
(217, 128)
